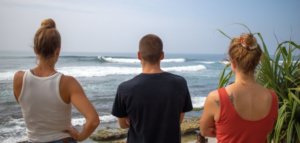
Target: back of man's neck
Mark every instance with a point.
(151, 69)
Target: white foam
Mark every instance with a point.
(14, 122)
(103, 119)
(15, 129)
(208, 62)
(15, 139)
(185, 68)
(198, 102)
(78, 121)
(7, 75)
(134, 60)
(108, 118)
(225, 62)
(98, 71)
(178, 60)
(119, 60)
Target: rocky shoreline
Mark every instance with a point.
(117, 135)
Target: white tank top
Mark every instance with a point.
(46, 114)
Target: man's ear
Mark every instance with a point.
(139, 55)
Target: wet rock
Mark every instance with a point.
(188, 127)
(109, 134)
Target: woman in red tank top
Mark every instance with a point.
(245, 111)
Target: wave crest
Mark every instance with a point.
(103, 119)
(97, 71)
(134, 60)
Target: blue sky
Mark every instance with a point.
(188, 26)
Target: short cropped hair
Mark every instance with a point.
(151, 48)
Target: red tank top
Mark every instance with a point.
(231, 128)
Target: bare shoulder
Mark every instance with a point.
(18, 83)
(271, 93)
(19, 75)
(213, 99)
(213, 95)
(211, 108)
(265, 91)
(67, 80)
(18, 79)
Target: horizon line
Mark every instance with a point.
(63, 53)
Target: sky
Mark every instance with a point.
(185, 26)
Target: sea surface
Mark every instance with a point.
(100, 75)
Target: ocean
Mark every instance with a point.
(100, 75)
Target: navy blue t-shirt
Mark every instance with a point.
(153, 103)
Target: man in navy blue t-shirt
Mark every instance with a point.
(153, 103)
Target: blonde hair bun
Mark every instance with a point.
(48, 23)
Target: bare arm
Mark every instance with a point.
(207, 121)
(83, 105)
(181, 117)
(124, 122)
(17, 84)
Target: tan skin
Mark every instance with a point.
(70, 91)
(147, 68)
(244, 94)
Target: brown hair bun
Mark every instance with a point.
(245, 52)
(48, 23)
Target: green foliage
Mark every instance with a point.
(281, 73)
(225, 76)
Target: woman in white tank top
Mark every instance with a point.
(46, 95)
